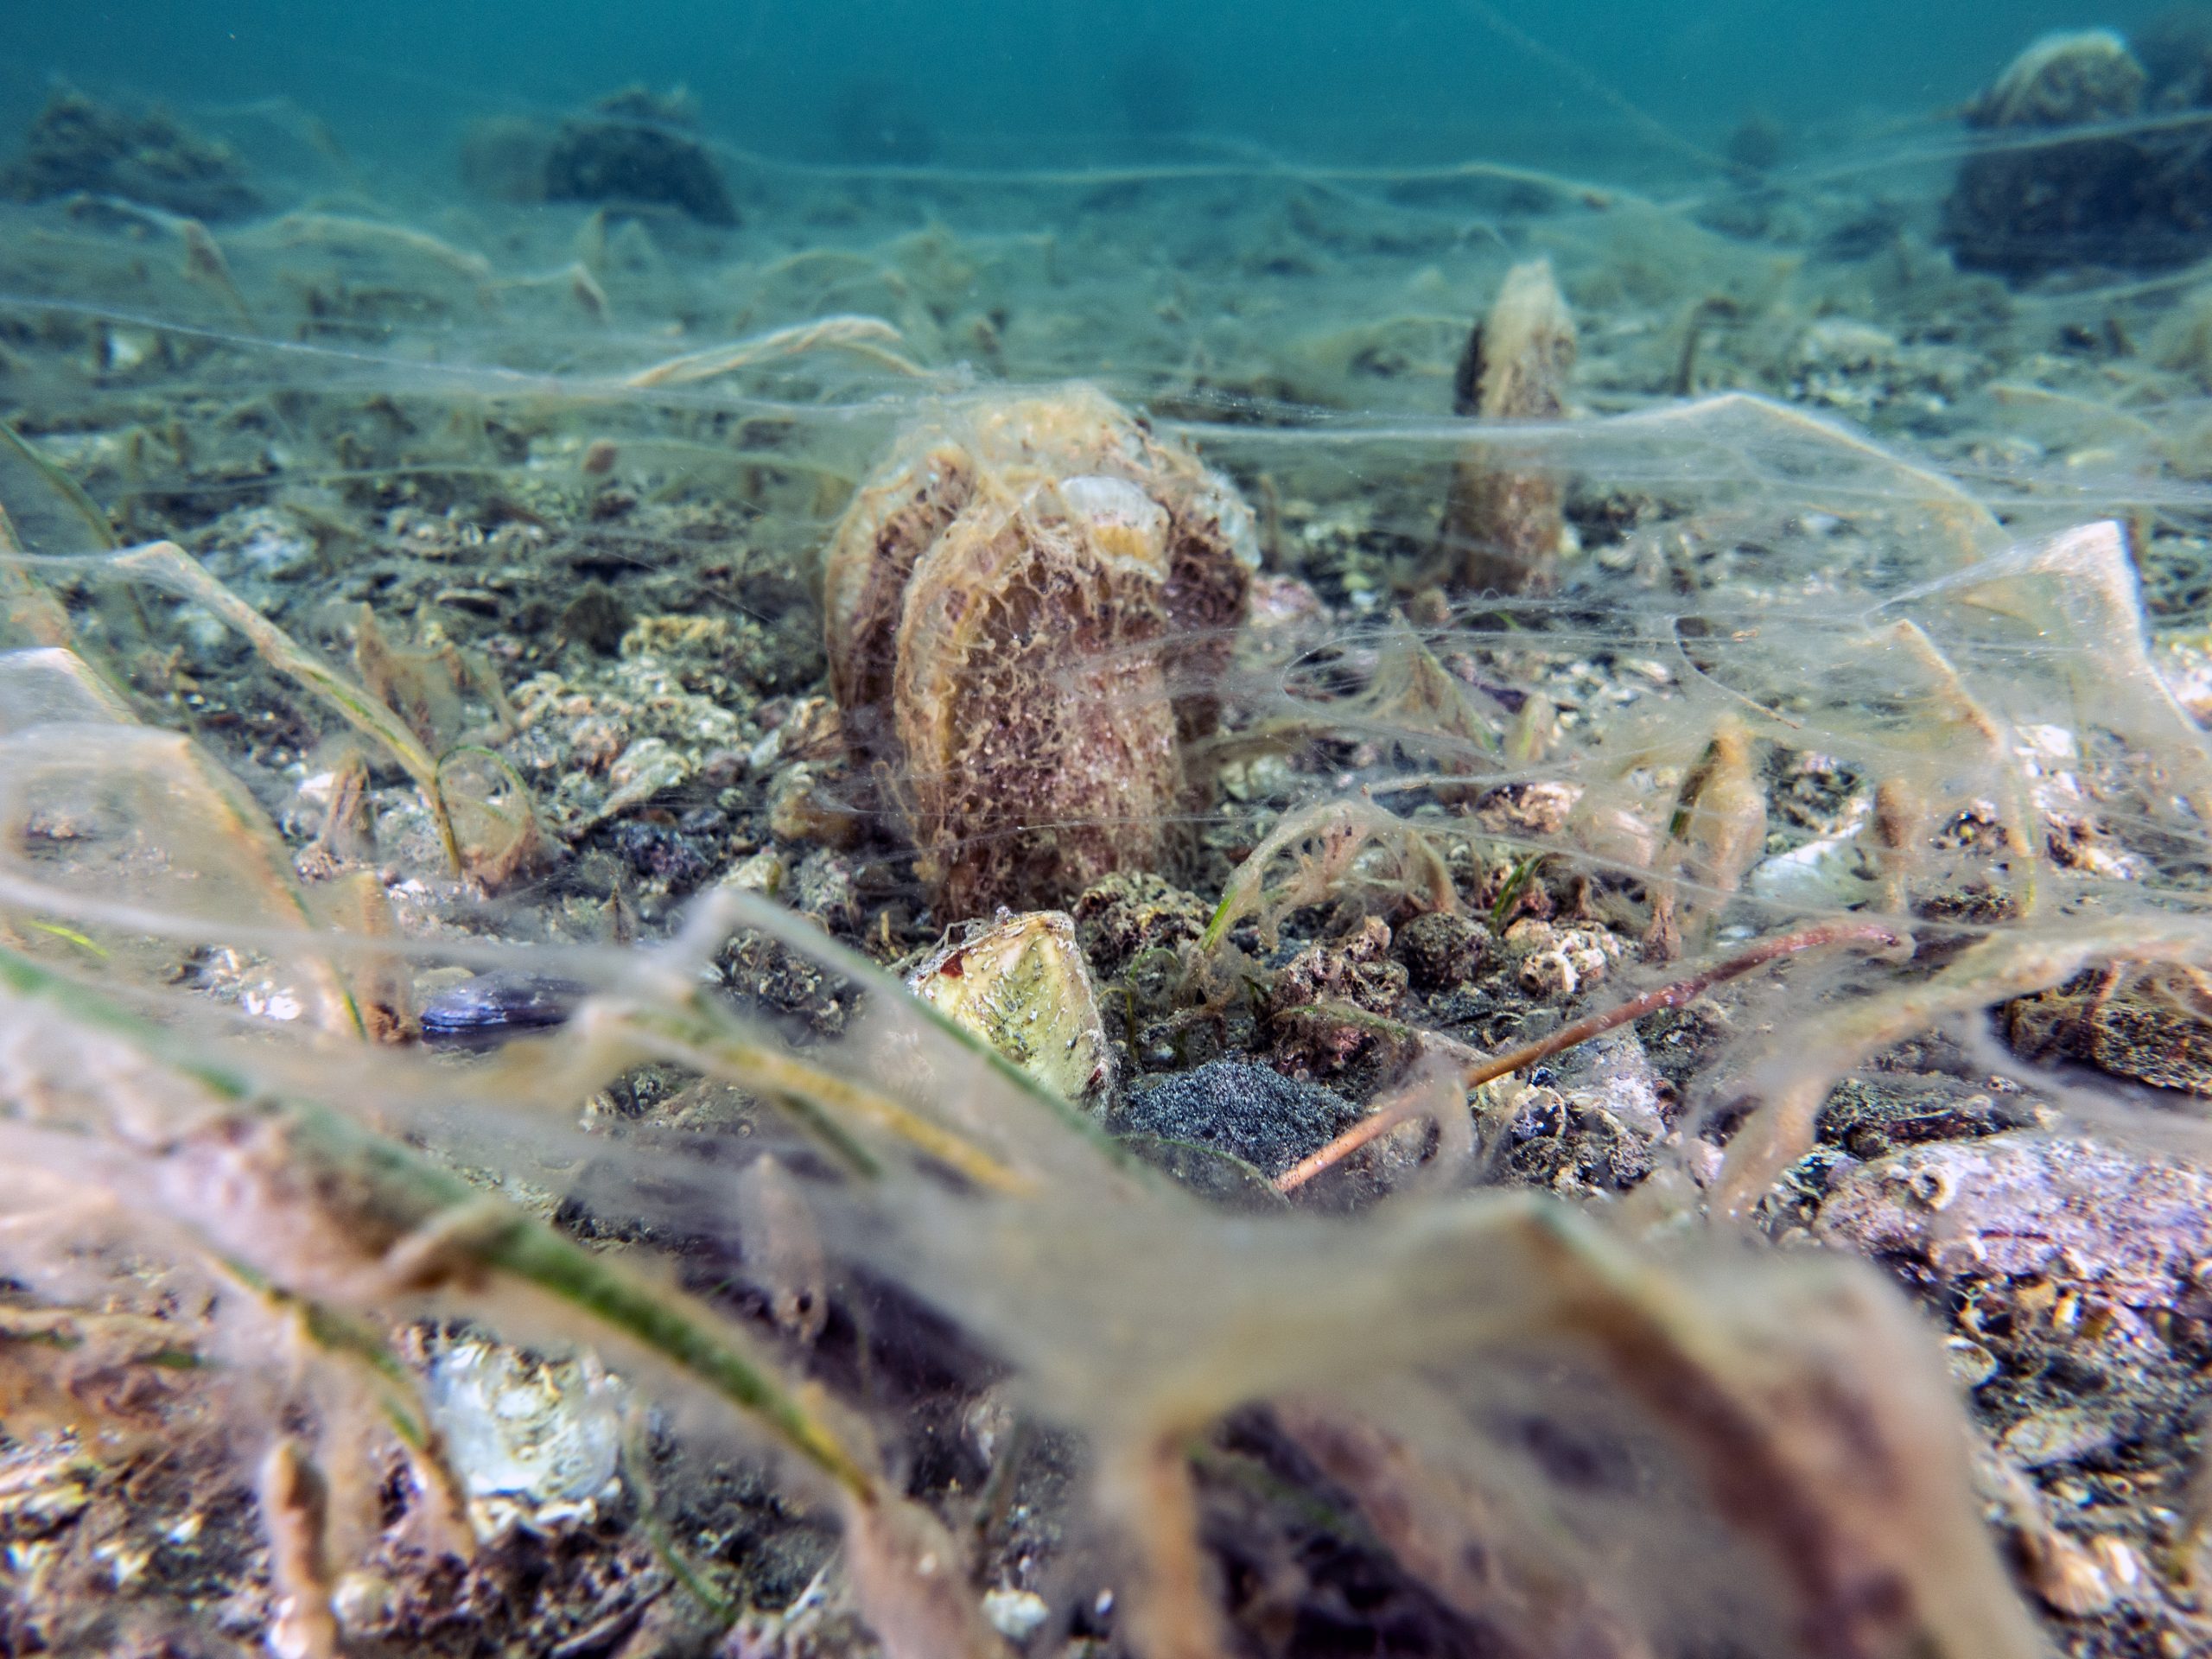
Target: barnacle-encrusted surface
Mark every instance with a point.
(1027, 607)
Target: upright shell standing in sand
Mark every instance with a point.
(1505, 521)
(1028, 605)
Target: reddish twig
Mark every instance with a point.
(1672, 996)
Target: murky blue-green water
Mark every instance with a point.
(992, 79)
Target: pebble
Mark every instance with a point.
(662, 854)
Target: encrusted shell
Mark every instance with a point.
(1022, 986)
(1027, 606)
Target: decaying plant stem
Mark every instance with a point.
(68, 489)
(244, 1156)
(1326, 839)
(293, 1508)
(435, 1221)
(1175, 1616)
(344, 231)
(866, 337)
(701, 1038)
(1713, 836)
(204, 262)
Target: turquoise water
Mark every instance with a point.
(1407, 79)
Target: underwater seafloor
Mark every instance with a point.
(1561, 975)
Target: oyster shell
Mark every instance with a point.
(1027, 606)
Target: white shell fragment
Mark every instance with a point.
(1016, 1615)
(1833, 869)
(1022, 985)
(533, 1440)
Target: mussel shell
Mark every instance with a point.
(491, 1007)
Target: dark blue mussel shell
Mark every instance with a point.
(488, 1009)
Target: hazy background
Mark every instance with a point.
(1001, 78)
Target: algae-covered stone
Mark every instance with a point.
(2134, 1229)
(1133, 913)
(2112, 197)
(78, 144)
(2153, 1024)
(1023, 986)
(636, 147)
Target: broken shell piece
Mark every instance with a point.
(1016, 1615)
(533, 1440)
(2068, 1577)
(1027, 608)
(1827, 872)
(1971, 1364)
(765, 873)
(1023, 986)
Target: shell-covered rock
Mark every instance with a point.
(1028, 605)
